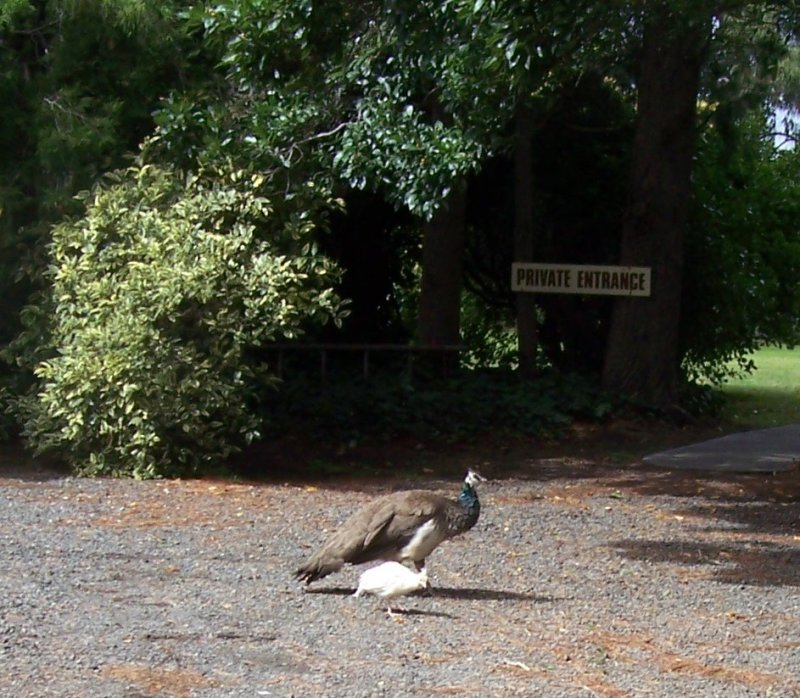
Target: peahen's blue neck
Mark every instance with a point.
(463, 514)
(468, 497)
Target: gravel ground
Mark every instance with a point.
(577, 581)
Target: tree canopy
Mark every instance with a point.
(265, 133)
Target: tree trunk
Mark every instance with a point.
(527, 331)
(442, 255)
(642, 356)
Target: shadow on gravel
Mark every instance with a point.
(747, 563)
(726, 487)
(471, 594)
(649, 481)
(746, 526)
(461, 594)
(768, 518)
(419, 612)
(333, 591)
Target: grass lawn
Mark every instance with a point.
(770, 396)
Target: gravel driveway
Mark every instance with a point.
(577, 581)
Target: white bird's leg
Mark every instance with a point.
(396, 617)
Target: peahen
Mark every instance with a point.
(390, 580)
(403, 527)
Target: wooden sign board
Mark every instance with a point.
(580, 278)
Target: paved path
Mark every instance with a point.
(758, 451)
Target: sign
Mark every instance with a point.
(580, 278)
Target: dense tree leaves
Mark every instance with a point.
(78, 82)
(743, 251)
(408, 102)
(156, 295)
(81, 81)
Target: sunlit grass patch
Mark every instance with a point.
(770, 396)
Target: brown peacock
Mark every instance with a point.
(403, 527)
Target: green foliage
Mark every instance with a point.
(78, 82)
(157, 293)
(490, 336)
(407, 99)
(743, 253)
(755, 50)
(466, 406)
(399, 98)
(388, 151)
(12, 11)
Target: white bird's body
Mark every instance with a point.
(390, 580)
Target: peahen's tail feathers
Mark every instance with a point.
(316, 568)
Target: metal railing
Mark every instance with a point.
(445, 351)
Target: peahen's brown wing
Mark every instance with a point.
(378, 531)
(396, 522)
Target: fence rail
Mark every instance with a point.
(446, 351)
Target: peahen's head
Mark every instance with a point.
(469, 496)
(473, 477)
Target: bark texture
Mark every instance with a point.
(642, 357)
(442, 258)
(527, 330)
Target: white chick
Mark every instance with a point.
(390, 580)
